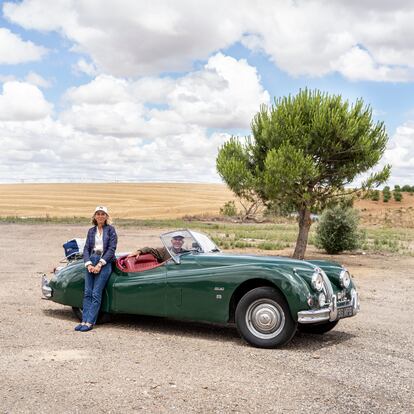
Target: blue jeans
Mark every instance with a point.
(94, 286)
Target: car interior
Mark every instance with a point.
(136, 264)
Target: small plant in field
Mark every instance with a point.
(242, 244)
(338, 230)
(373, 195)
(386, 194)
(229, 209)
(271, 246)
(397, 196)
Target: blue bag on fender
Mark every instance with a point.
(74, 248)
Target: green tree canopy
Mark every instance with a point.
(304, 150)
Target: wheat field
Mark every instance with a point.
(158, 201)
(134, 201)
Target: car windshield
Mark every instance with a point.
(205, 243)
(183, 241)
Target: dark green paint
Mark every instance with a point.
(200, 287)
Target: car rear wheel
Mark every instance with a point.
(103, 317)
(263, 318)
(317, 329)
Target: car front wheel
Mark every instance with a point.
(263, 318)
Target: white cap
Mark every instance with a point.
(101, 208)
(177, 234)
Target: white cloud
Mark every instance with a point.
(152, 89)
(37, 80)
(32, 13)
(21, 101)
(110, 122)
(14, 50)
(158, 127)
(119, 119)
(82, 66)
(400, 154)
(357, 64)
(7, 78)
(104, 89)
(225, 93)
(50, 150)
(402, 143)
(312, 38)
(106, 122)
(134, 38)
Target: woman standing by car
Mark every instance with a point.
(98, 254)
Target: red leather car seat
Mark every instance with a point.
(136, 263)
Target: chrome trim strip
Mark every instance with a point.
(313, 316)
(327, 286)
(355, 301)
(333, 309)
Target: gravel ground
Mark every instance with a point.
(155, 365)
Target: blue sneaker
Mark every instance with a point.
(78, 327)
(85, 328)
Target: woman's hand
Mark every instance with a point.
(97, 268)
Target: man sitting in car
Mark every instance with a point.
(161, 253)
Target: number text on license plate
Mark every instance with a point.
(345, 312)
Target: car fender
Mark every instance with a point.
(287, 281)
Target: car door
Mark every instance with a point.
(141, 293)
(194, 290)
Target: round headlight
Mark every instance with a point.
(345, 278)
(322, 299)
(317, 281)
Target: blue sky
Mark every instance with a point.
(138, 91)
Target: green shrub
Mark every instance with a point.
(397, 196)
(386, 194)
(374, 195)
(338, 230)
(229, 209)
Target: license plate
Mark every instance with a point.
(345, 312)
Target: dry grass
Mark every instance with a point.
(392, 214)
(159, 201)
(139, 201)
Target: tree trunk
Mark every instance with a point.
(304, 226)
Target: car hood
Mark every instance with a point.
(304, 268)
(228, 259)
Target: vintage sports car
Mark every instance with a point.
(267, 297)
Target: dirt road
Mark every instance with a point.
(154, 365)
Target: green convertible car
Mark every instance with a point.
(267, 297)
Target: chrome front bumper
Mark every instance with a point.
(46, 289)
(331, 312)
